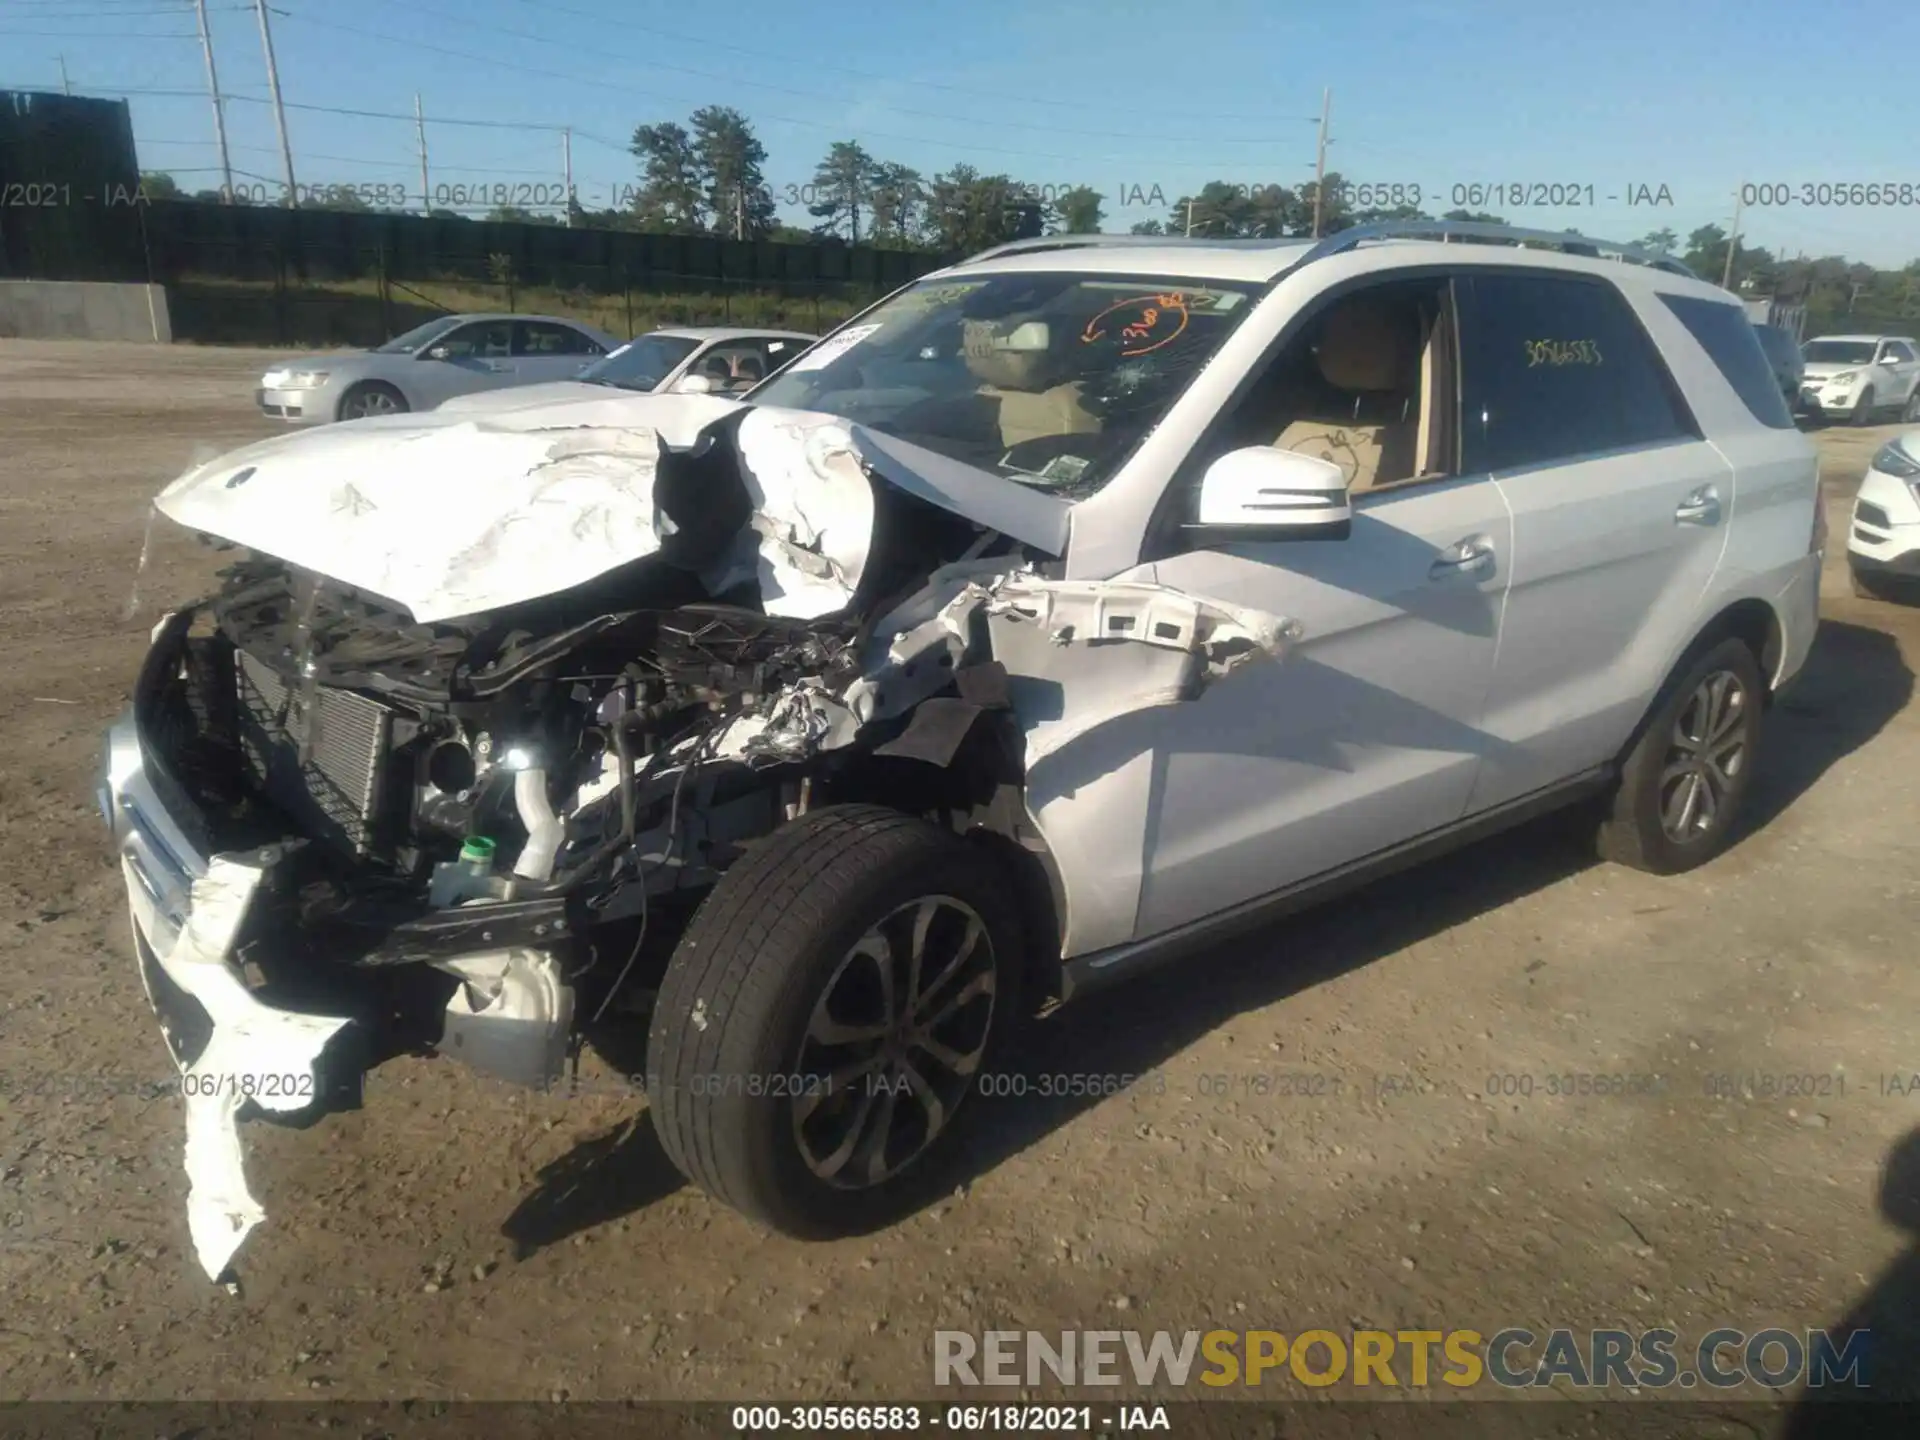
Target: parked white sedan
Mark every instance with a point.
(715, 359)
(453, 355)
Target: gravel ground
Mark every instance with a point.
(459, 1239)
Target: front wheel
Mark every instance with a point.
(371, 397)
(1911, 411)
(1683, 782)
(827, 1015)
(1867, 587)
(1863, 411)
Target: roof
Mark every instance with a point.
(1863, 338)
(729, 332)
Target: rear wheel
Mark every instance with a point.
(827, 1015)
(371, 397)
(1683, 782)
(1911, 411)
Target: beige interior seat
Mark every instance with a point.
(1371, 355)
(1034, 401)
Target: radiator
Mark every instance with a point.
(335, 796)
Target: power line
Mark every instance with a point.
(95, 35)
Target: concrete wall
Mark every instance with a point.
(81, 310)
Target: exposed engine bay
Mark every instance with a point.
(447, 824)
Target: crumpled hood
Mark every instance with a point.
(450, 514)
(529, 397)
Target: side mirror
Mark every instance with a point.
(1261, 493)
(438, 352)
(694, 385)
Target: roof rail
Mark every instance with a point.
(1084, 242)
(1567, 241)
(1485, 232)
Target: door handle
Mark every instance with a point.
(1701, 507)
(1471, 558)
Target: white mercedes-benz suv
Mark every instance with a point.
(1066, 611)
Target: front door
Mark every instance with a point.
(1369, 733)
(479, 356)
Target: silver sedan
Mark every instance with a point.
(453, 355)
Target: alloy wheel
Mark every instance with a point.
(371, 402)
(1705, 758)
(894, 1042)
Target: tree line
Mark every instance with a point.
(708, 177)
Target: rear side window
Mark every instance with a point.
(1554, 367)
(1728, 337)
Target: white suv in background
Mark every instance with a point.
(1856, 377)
(1060, 615)
(1883, 542)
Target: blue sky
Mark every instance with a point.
(1125, 96)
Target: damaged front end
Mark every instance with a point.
(357, 824)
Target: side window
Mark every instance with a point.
(1366, 383)
(734, 365)
(484, 339)
(1731, 342)
(1555, 367)
(780, 350)
(544, 338)
(1899, 352)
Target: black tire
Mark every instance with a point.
(1639, 828)
(746, 993)
(1863, 410)
(1910, 412)
(371, 397)
(1868, 587)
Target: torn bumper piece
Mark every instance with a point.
(241, 1055)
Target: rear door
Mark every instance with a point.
(548, 350)
(1619, 517)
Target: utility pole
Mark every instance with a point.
(279, 111)
(1733, 240)
(66, 85)
(420, 134)
(1320, 162)
(1189, 217)
(219, 115)
(740, 213)
(566, 161)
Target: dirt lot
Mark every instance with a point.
(574, 1262)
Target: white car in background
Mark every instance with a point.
(1854, 377)
(699, 359)
(1883, 542)
(451, 355)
